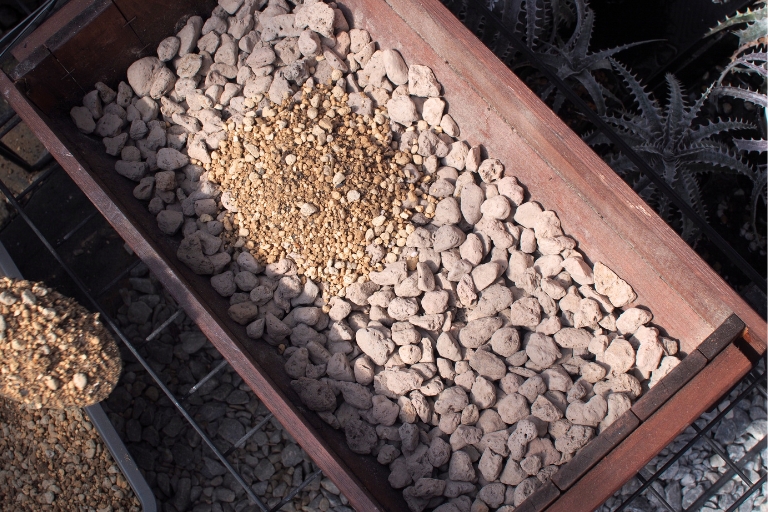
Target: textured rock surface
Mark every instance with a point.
(467, 344)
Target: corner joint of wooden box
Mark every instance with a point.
(728, 331)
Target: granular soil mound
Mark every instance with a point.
(54, 460)
(53, 352)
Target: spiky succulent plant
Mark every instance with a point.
(537, 22)
(559, 33)
(750, 58)
(674, 145)
(573, 62)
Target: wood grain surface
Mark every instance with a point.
(620, 465)
(72, 59)
(540, 499)
(493, 108)
(725, 334)
(662, 269)
(40, 36)
(358, 477)
(154, 21)
(595, 450)
(669, 385)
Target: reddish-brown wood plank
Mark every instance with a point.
(49, 27)
(540, 499)
(156, 20)
(669, 385)
(477, 104)
(193, 293)
(48, 71)
(723, 335)
(103, 51)
(654, 434)
(71, 60)
(611, 200)
(493, 108)
(595, 450)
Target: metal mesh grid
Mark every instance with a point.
(95, 298)
(644, 491)
(736, 471)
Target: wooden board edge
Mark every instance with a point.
(722, 336)
(53, 26)
(669, 385)
(712, 295)
(32, 61)
(285, 411)
(540, 499)
(653, 435)
(595, 450)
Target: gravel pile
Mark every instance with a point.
(741, 434)
(55, 460)
(472, 349)
(53, 352)
(266, 174)
(182, 471)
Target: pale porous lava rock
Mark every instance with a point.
(470, 347)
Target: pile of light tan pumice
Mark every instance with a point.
(423, 304)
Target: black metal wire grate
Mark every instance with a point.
(496, 34)
(93, 297)
(491, 29)
(705, 436)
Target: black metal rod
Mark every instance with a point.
(118, 278)
(205, 379)
(44, 160)
(77, 227)
(724, 456)
(653, 491)
(625, 148)
(690, 443)
(38, 181)
(656, 78)
(24, 26)
(9, 124)
(107, 320)
(7, 116)
(165, 324)
(240, 442)
(15, 159)
(747, 494)
(296, 491)
(725, 477)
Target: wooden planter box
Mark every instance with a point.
(96, 40)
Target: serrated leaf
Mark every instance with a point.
(583, 33)
(648, 106)
(593, 88)
(759, 191)
(715, 157)
(675, 111)
(749, 16)
(753, 33)
(707, 130)
(692, 112)
(761, 145)
(744, 94)
(636, 124)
